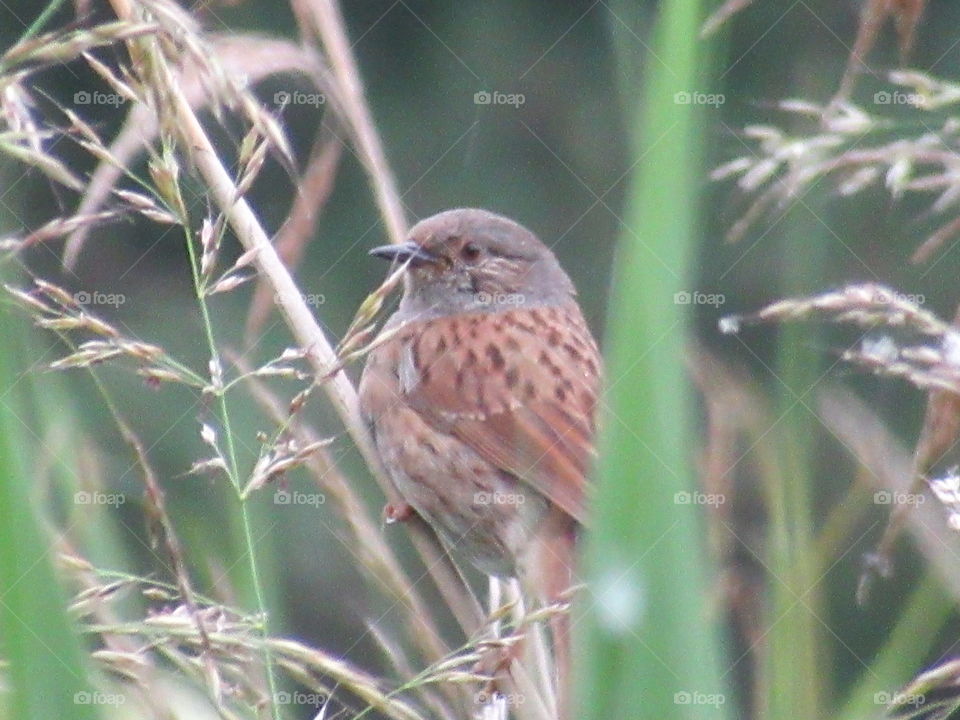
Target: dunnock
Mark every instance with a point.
(482, 400)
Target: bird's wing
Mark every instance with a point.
(518, 387)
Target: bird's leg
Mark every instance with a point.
(549, 572)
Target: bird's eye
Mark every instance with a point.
(470, 251)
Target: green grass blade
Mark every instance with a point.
(792, 681)
(649, 648)
(919, 627)
(47, 676)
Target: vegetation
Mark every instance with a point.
(189, 505)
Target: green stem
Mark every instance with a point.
(232, 472)
(41, 20)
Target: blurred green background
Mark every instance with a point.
(560, 163)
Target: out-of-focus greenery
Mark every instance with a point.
(648, 647)
(46, 673)
(565, 163)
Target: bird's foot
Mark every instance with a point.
(397, 512)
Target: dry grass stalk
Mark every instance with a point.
(852, 146)
(240, 216)
(903, 341)
(324, 18)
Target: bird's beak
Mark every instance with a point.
(403, 252)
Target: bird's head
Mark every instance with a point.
(470, 260)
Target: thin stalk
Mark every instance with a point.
(233, 474)
(41, 20)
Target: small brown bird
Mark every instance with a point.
(482, 401)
